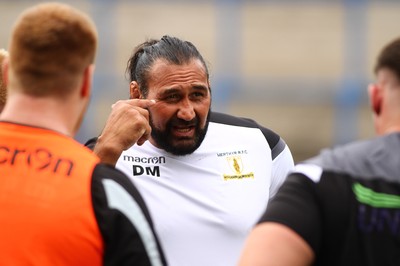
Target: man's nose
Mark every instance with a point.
(186, 110)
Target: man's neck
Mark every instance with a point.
(39, 112)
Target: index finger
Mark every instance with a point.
(143, 103)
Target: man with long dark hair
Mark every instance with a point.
(206, 176)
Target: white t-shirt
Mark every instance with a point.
(204, 204)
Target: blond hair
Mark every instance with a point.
(51, 45)
(3, 89)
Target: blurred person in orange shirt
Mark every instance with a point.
(59, 204)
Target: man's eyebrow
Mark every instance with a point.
(169, 90)
(176, 89)
(199, 87)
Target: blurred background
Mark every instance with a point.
(298, 67)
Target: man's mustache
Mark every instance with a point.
(180, 122)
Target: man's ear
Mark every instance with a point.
(4, 71)
(375, 97)
(134, 91)
(87, 81)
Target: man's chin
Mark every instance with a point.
(185, 148)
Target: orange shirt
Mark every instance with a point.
(46, 215)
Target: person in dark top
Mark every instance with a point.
(341, 207)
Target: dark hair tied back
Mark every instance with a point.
(170, 49)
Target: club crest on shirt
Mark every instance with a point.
(235, 162)
(236, 165)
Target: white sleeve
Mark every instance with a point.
(281, 166)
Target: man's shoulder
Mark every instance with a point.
(222, 118)
(368, 158)
(228, 119)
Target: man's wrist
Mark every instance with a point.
(106, 151)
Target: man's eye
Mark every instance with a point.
(172, 97)
(198, 95)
